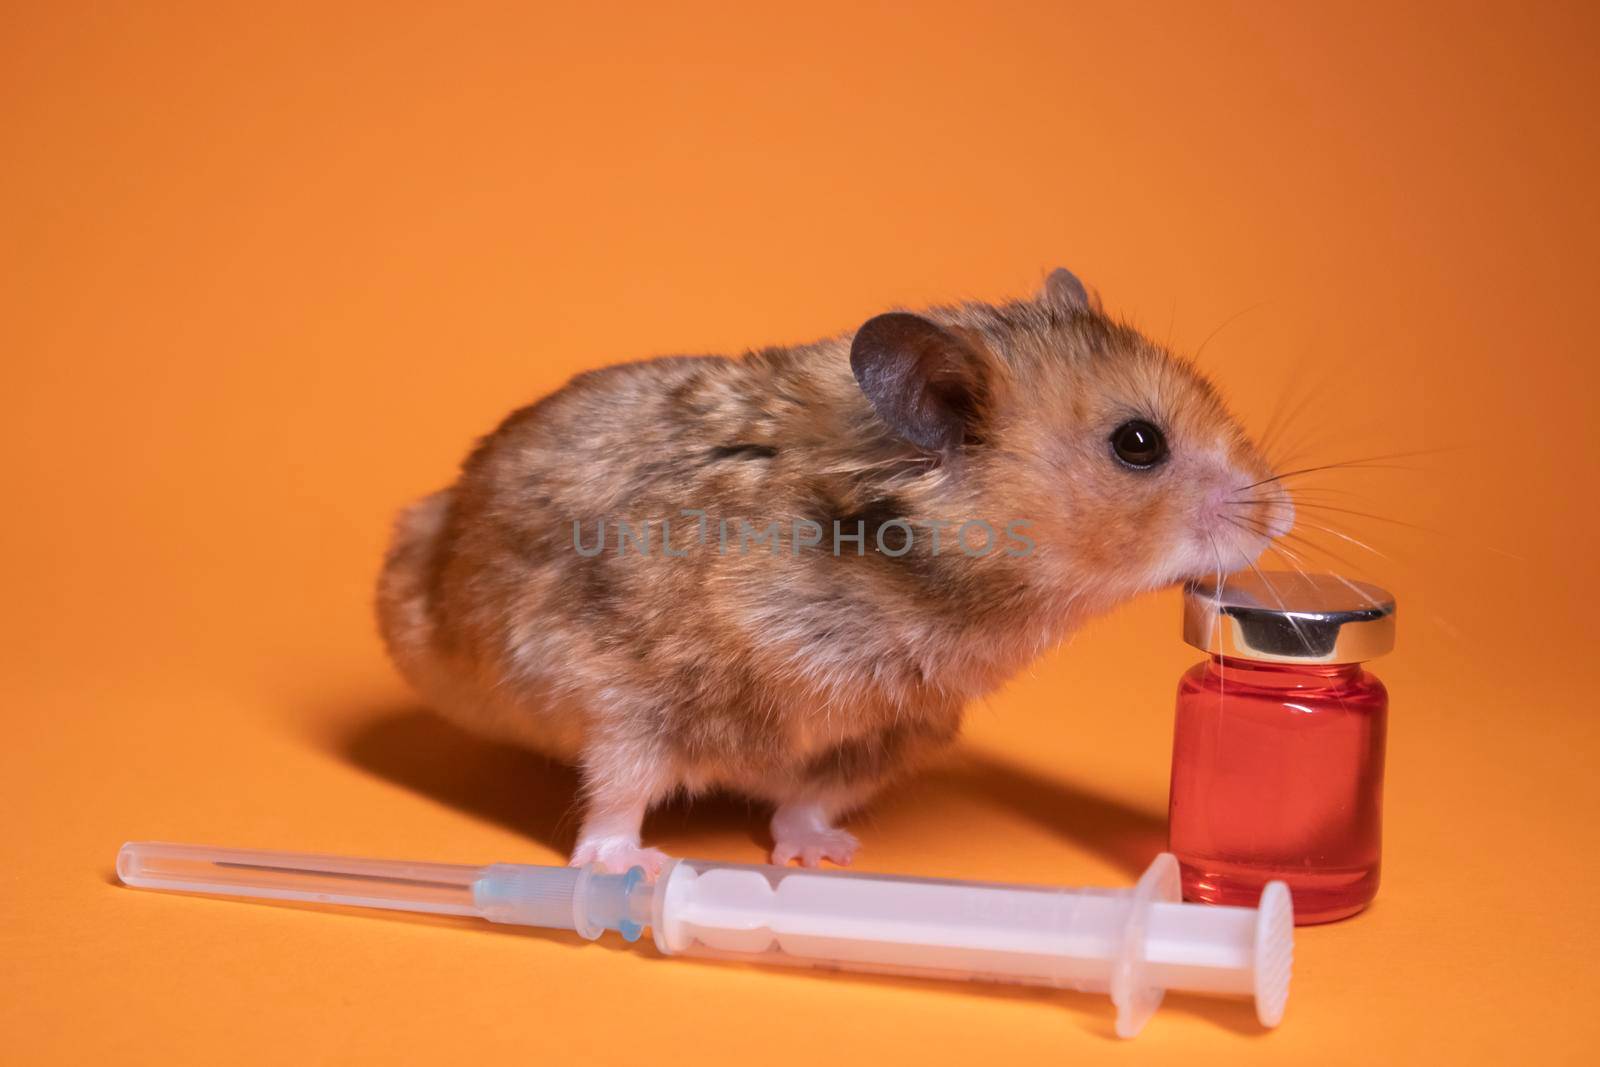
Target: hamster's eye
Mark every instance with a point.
(1138, 444)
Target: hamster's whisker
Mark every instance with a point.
(1280, 497)
(1222, 680)
(1301, 520)
(1302, 505)
(1368, 515)
(1260, 529)
(1229, 321)
(1306, 446)
(1327, 490)
(1324, 489)
(1247, 561)
(1323, 468)
(1291, 559)
(1365, 462)
(1299, 563)
(1341, 579)
(1312, 387)
(1293, 622)
(1422, 529)
(1283, 550)
(1305, 545)
(1286, 414)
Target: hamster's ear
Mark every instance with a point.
(1063, 290)
(926, 382)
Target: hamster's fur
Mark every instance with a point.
(783, 669)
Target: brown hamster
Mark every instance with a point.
(786, 573)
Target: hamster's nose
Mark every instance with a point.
(1279, 514)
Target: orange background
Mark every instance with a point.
(267, 274)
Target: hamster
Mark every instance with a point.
(786, 573)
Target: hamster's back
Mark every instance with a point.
(485, 602)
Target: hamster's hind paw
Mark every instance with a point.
(618, 855)
(813, 845)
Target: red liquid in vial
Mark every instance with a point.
(1277, 772)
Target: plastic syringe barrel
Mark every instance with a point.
(1134, 944)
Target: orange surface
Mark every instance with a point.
(266, 274)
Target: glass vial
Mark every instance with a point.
(1277, 760)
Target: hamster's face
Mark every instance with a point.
(1137, 474)
(1121, 457)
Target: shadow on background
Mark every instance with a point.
(1117, 832)
(537, 797)
(514, 787)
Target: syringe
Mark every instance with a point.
(1132, 943)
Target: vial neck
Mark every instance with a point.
(1232, 670)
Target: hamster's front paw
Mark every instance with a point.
(813, 844)
(618, 855)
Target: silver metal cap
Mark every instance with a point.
(1287, 617)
